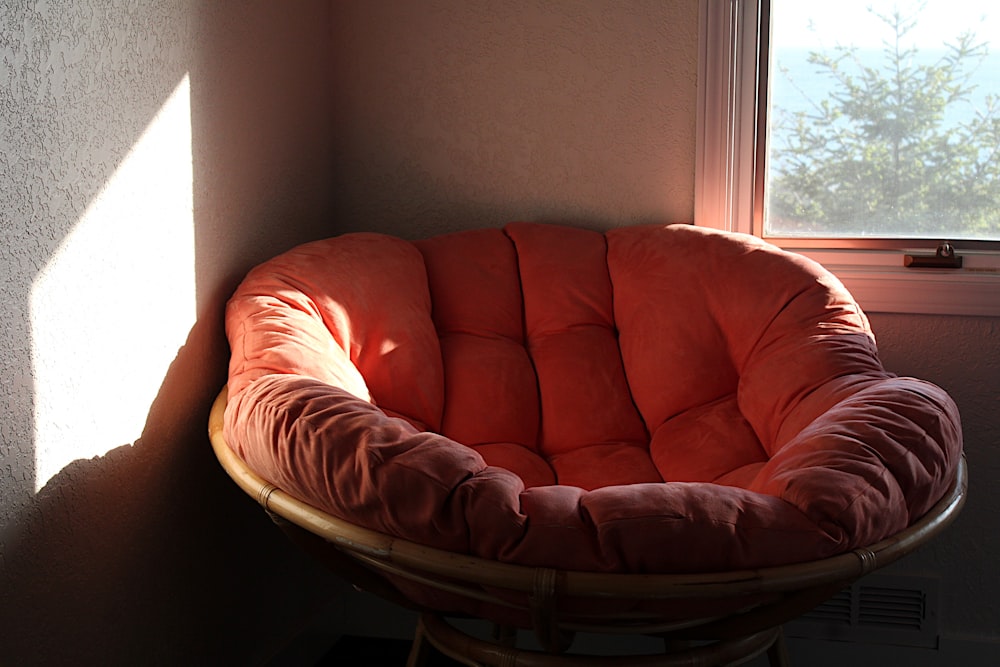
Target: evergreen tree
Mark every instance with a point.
(877, 157)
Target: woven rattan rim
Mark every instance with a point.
(400, 556)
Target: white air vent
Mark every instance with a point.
(878, 609)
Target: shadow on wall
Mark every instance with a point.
(146, 553)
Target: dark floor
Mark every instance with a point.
(374, 652)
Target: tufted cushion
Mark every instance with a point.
(652, 399)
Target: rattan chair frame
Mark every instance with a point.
(772, 595)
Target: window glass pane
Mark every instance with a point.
(884, 119)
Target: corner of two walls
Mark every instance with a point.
(156, 152)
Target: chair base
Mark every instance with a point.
(435, 631)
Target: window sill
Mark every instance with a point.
(880, 283)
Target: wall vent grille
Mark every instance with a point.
(878, 609)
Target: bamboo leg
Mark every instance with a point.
(777, 653)
(420, 650)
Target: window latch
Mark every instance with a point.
(943, 258)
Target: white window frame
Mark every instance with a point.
(729, 189)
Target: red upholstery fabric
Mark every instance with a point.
(652, 399)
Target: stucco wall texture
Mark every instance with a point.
(453, 114)
(73, 101)
(308, 120)
(135, 548)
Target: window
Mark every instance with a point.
(794, 174)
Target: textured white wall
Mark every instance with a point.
(453, 114)
(150, 152)
(74, 102)
(962, 355)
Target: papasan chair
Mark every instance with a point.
(661, 429)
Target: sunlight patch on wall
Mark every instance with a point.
(117, 300)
